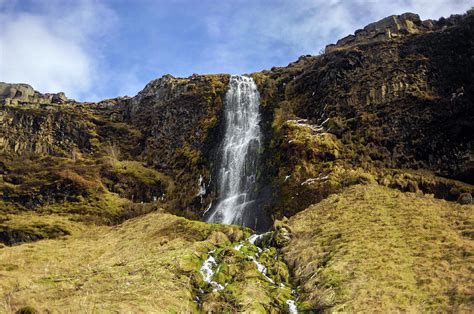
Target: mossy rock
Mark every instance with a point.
(11, 235)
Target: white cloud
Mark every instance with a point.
(55, 49)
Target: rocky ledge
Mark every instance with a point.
(393, 27)
(16, 94)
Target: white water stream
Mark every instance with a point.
(208, 269)
(263, 270)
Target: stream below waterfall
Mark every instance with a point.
(211, 267)
(237, 202)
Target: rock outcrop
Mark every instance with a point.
(38, 123)
(16, 94)
(171, 127)
(392, 28)
(178, 119)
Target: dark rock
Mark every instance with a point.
(465, 198)
(390, 105)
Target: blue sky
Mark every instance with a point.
(94, 50)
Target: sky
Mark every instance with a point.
(93, 50)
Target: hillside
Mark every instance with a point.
(148, 264)
(366, 169)
(374, 247)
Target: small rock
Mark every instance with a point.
(218, 237)
(465, 199)
(59, 98)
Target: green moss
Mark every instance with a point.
(145, 175)
(245, 288)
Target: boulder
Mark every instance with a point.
(465, 199)
(59, 98)
(18, 92)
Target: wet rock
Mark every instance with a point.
(282, 233)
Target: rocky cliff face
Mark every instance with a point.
(399, 112)
(390, 104)
(37, 123)
(15, 94)
(170, 127)
(179, 123)
(392, 28)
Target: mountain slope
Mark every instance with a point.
(152, 264)
(371, 247)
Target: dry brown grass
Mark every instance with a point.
(82, 182)
(374, 249)
(144, 265)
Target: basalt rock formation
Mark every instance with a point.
(396, 111)
(14, 94)
(393, 27)
(163, 135)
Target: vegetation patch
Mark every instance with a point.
(245, 277)
(21, 234)
(375, 247)
(28, 227)
(145, 263)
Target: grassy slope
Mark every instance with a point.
(144, 264)
(371, 247)
(147, 264)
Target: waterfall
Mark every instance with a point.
(237, 165)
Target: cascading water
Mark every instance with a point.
(237, 199)
(237, 170)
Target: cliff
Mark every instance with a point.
(394, 28)
(398, 112)
(166, 132)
